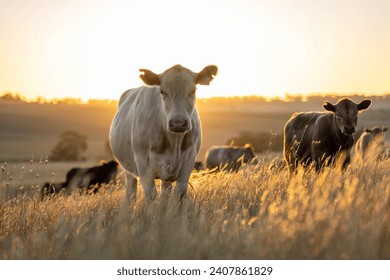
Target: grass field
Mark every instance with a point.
(258, 213)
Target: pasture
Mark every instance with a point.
(261, 212)
(29, 131)
(258, 213)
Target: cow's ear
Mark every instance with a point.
(364, 104)
(149, 78)
(248, 146)
(205, 76)
(329, 106)
(368, 130)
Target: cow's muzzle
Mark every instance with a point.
(178, 125)
(349, 130)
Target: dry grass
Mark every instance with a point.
(258, 213)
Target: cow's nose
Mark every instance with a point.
(349, 129)
(178, 125)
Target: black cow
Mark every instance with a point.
(321, 136)
(198, 166)
(84, 179)
(229, 158)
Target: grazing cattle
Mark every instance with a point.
(229, 158)
(198, 166)
(50, 188)
(156, 132)
(321, 137)
(84, 179)
(370, 144)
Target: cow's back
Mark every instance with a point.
(126, 109)
(100, 174)
(369, 147)
(299, 130)
(300, 123)
(131, 104)
(363, 142)
(221, 157)
(214, 157)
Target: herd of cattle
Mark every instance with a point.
(156, 134)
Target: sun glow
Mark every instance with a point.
(93, 49)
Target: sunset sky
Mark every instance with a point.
(94, 48)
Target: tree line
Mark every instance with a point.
(72, 145)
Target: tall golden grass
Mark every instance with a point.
(258, 213)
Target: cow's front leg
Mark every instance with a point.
(184, 177)
(318, 158)
(148, 184)
(131, 186)
(346, 159)
(146, 175)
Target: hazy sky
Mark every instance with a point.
(93, 49)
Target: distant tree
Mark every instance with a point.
(70, 147)
(41, 100)
(71, 100)
(9, 96)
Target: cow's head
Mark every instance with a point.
(377, 132)
(249, 155)
(346, 112)
(178, 87)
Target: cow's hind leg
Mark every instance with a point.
(291, 161)
(166, 187)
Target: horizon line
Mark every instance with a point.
(18, 97)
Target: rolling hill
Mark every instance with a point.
(31, 130)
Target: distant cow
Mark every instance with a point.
(371, 143)
(198, 165)
(321, 136)
(51, 188)
(84, 178)
(156, 133)
(229, 158)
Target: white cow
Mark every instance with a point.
(156, 132)
(371, 144)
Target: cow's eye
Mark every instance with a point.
(162, 93)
